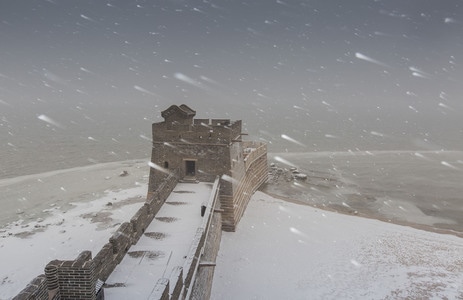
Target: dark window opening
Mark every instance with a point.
(190, 168)
(166, 165)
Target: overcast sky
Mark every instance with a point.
(331, 74)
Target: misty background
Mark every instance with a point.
(82, 81)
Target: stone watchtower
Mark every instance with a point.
(202, 149)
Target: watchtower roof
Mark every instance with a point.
(182, 111)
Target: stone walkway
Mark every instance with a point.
(162, 247)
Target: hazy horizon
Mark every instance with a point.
(84, 80)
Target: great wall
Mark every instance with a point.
(185, 150)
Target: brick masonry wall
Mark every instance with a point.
(256, 175)
(60, 274)
(105, 262)
(204, 141)
(161, 290)
(36, 289)
(73, 279)
(140, 221)
(201, 131)
(211, 160)
(176, 278)
(206, 242)
(128, 233)
(193, 256)
(203, 283)
(246, 180)
(216, 153)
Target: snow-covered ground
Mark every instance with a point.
(30, 197)
(283, 250)
(63, 213)
(280, 250)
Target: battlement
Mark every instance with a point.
(203, 131)
(184, 149)
(201, 149)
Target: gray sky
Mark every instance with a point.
(333, 75)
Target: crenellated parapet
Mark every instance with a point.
(81, 278)
(201, 149)
(184, 149)
(249, 171)
(201, 131)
